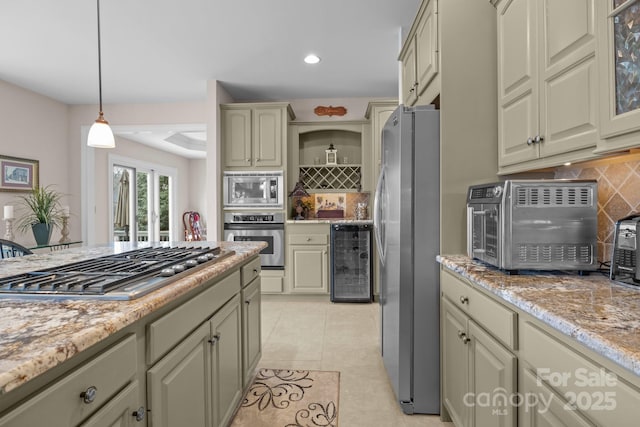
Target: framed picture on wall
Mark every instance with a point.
(18, 174)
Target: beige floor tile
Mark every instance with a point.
(310, 332)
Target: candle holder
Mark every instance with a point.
(8, 234)
(65, 230)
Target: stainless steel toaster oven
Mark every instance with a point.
(534, 224)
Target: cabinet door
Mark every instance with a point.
(517, 81)
(455, 363)
(268, 134)
(568, 76)
(544, 408)
(121, 411)
(409, 83)
(236, 137)
(179, 385)
(493, 375)
(618, 71)
(226, 361)
(251, 328)
(309, 268)
(427, 47)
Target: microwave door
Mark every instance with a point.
(478, 242)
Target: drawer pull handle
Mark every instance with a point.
(214, 339)
(465, 339)
(139, 414)
(464, 300)
(89, 395)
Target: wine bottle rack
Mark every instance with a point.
(339, 177)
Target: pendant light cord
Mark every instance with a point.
(99, 62)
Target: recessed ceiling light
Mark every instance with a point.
(312, 59)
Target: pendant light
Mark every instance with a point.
(100, 134)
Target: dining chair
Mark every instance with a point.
(9, 249)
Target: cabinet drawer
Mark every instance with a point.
(490, 314)
(598, 393)
(61, 404)
(169, 330)
(308, 239)
(250, 271)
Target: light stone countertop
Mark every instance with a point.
(599, 313)
(330, 221)
(37, 335)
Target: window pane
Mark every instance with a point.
(164, 208)
(626, 27)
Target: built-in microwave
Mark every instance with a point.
(253, 189)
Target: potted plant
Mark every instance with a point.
(42, 213)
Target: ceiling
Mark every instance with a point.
(167, 50)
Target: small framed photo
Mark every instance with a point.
(18, 174)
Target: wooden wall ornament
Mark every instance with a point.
(330, 111)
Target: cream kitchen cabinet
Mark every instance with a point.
(420, 57)
(618, 49)
(547, 83)
(251, 323)
(120, 411)
(587, 392)
(255, 135)
(476, 363)
(91, 387)
(199, 383)
(308, 258)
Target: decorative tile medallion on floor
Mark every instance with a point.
(288, 398)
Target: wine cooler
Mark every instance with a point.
(351, 265)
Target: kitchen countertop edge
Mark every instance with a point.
(556, 311)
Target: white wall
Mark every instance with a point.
(35, 127)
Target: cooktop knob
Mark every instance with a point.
(190, 263)
(178, 268)
(202, 258)
(166, 272)
(497, 191)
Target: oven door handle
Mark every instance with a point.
(253, 226)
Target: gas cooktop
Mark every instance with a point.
(124, 276)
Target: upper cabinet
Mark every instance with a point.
(420, 57)
(619, 67)
(254, 135)
(547, 83)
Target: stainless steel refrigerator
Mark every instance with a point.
(407, 229)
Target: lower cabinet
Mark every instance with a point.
(542, 407)
(308, 258)
(91, 390)
(120, 412)
(251, 329)
(200, 381)
(479, 374)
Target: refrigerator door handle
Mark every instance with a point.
(377, 205)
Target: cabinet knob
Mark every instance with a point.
(460, 334)
(139, 414)
(308, 239)
(464, 300)
(255, 271)
(257, 159)
(214, 339)
(247, 160)
(248, 302)
(466, 339)
(89, 395)
(538, 139)
(529, 141)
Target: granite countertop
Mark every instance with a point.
(593, 310)
(36, 335)
(330, 221)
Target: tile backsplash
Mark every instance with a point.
(618, 193)
(351, 201)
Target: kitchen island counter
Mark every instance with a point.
(38, 334)
(600, 314)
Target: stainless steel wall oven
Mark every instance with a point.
(255, 227)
